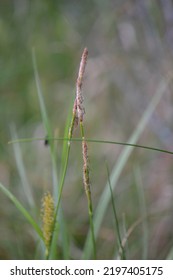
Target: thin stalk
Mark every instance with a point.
(143, 211)
(90, 212)
(123, 255)
(25, 140)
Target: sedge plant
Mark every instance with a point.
(53, 221)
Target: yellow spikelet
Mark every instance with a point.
(47, 219)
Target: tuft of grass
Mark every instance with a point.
(58, 230)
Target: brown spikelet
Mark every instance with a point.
(79, 97)
(75, 114)
(74, 121)
(86, 179)
(78, 109)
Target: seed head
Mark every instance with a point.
(79, 97)
(86, 179)
(47, 219)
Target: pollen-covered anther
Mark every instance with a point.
(47, 218)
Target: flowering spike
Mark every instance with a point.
(86, 179)
(47, 219)
(79, 97)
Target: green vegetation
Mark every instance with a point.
(121, 209)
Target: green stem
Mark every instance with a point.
(90, 211)
(24, 140)
(116, 217)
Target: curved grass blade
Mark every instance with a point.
(22, 210)
(25, 140)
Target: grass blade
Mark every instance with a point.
(40, 97)
(58, 212)
(123, 255)
(170, 255)
(56, 186)
(21, 170)
(143, 212)
(46, 124)
(22, 210)
(99, 141)
(116, 172)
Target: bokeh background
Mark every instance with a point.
(130, 47)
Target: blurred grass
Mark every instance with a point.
(130, 51)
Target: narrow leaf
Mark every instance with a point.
(22, 210)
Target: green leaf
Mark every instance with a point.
(22, 210)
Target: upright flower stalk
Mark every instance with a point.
(77, 118)
(79, 111)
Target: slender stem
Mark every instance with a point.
(24, 140)
(116, 217)
(90, 211)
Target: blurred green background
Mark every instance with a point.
(130, 47)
